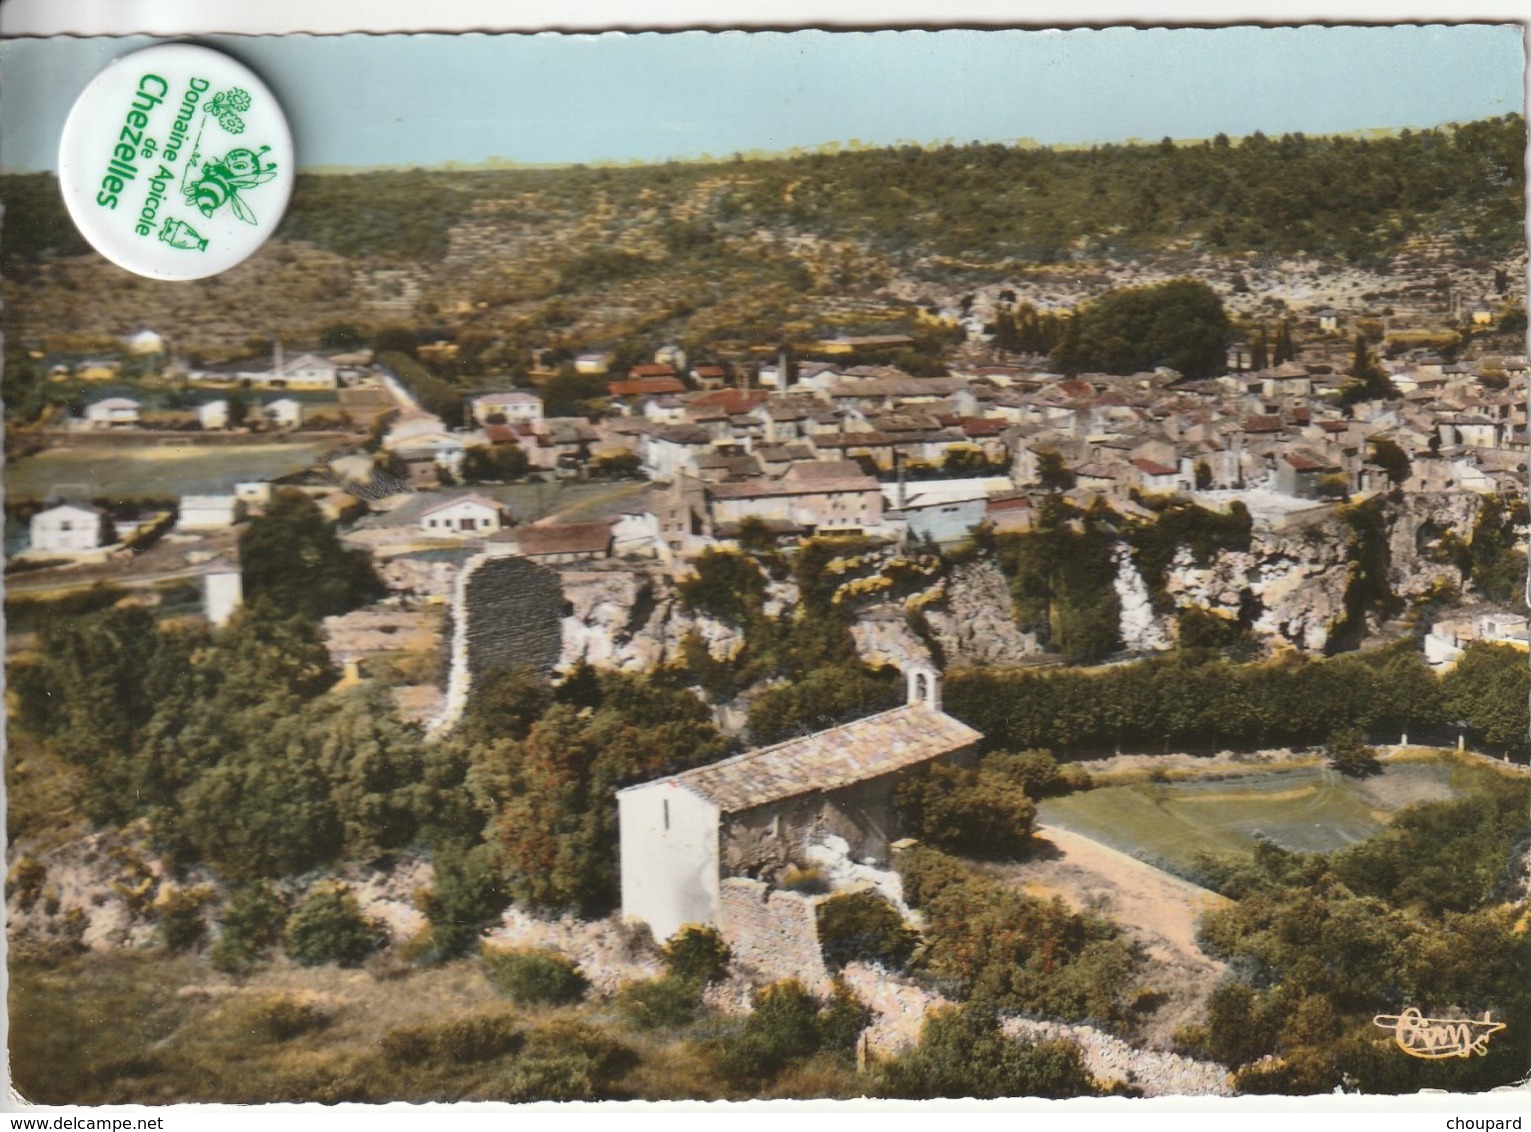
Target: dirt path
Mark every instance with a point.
(1159, 911)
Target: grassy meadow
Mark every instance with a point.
(150, 1027)
(154, 470)
(1312, 809)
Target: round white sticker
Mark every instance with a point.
(176, 162)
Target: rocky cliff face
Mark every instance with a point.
(631, 618)
(974, 624)
(1298, 573)
(1293, 577)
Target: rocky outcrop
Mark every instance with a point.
(1142, 630)
(973, 623)
(631, 618)
(1290, 583)
(1298, 573)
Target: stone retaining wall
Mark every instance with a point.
(773, 933)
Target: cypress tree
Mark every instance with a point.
(1260, 354)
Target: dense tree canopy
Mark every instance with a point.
(1318, 945)
(1180, 324)
(294, 564)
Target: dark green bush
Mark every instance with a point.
(963, 1052)
(182, 925)
(253, 922)
(565, 1062)
(472, 1038)
(864, 926)
(782, 1028)
(329, 927)
(280, 1017)
(981, 813)
(697, 952)
(925, 873)
(660, 1003)
(534, 976)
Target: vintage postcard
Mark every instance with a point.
(713, 566)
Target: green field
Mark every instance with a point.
(1312, 810)
(158, 470)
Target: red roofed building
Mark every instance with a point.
(566, 542)
(1299, 471)
(1150, 475)
(645, 386)
(733, 402)
(650, 369)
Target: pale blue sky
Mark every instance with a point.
(370, 100)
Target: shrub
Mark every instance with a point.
(809, 881)
(1037, 773)
(533, 975)
(280, 1017)
(926, 873)
(253, 922)
(963, 1052)
(1348, 753)
(864, 926)
(565, 1062)
(182, 926)
(329, 927)
(782, 1028)
(25, 884)
(842, 1019)
(563, 1077)
(659, 1003)
(472, 1038)
(697, 953)
(469, 893)
(981, 812)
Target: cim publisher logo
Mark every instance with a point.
(1432, 1038)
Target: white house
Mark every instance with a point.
(213, 415)
(285, 412)
(144, 342)
(209, 512)
(113, 412)
(222, 590)
(671, 355)
(515, 406)
(253, 491)
(305, 371)
(465, 515)
(757, 813)
(67, 529)
(1449, 638)
(596, 364)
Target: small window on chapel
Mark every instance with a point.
(665, 805)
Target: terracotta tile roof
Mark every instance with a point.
(565, 538)
(1307, 462)
(1264, 423)
(654, 369)
(731, 401)
(645, 386)
(829, 760)
(1153, 467)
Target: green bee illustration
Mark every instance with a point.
(179, 234)
(221, 181)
